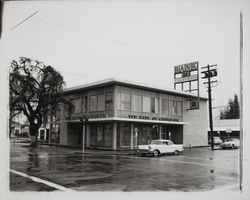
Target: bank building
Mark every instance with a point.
(117, 114)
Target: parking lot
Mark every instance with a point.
(50, 168)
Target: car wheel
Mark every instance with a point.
(176, 152)
(233, 146)
(156, 152)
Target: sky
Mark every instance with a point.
(139, 40)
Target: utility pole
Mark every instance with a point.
(209, 73)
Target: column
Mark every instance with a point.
(160, 131)
(131, 136)
(83, 137)
(63, 133)
(114, 135)
(88, 136)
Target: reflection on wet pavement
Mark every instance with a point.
(192, 171)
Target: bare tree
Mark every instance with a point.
(35, 90)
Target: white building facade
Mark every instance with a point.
(122, 115)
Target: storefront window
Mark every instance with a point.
(93, 103)
(146, 104)
(123, 135)
(101, 102)
(136, 103)
(109, 101)
(108, 130)
(164, 106)
(101, 135)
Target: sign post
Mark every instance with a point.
(84, 120)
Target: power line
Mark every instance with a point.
(25, 20)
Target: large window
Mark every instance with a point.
(164, 106)
(154, 105)
(92, 103)
(179, 108)
(101, 102)
(172, 107)
(136, 103)
(123, 135)
(101, 135)
(97, 103)
(77, 105)
(150, 104)
(124, 101)
(146, 104)
(109, 101)
(84, 104)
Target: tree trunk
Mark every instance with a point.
(33, 135)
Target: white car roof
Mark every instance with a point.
(162, 140)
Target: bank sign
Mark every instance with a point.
(183, 72)
(184, 75)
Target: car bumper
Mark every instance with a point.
(143, 151)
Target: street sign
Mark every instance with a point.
(210, 73)
(228, 130)
(194, 104)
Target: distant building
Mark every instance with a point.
(226, 128)
(123, 114)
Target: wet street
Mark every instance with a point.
(56, 168)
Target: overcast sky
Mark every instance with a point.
(133, 40)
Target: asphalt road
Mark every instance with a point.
(49, 169)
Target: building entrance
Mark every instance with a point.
(145, 133)
(174, 133)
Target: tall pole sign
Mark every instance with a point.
(208, 74)
(187, 76)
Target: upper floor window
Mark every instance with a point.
(174, 108)
(146, 104)
(101, 102)
(84, 104)
(92, 103)
(77, 105)
(123, 101)
(109, 101)
(150, 104)
(179, 108)
(136, 103)
(154, 105)
(164, 106)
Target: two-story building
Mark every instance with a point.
(123, 114)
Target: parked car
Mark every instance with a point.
(158, 147)
(217, 141)
(231, 143)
